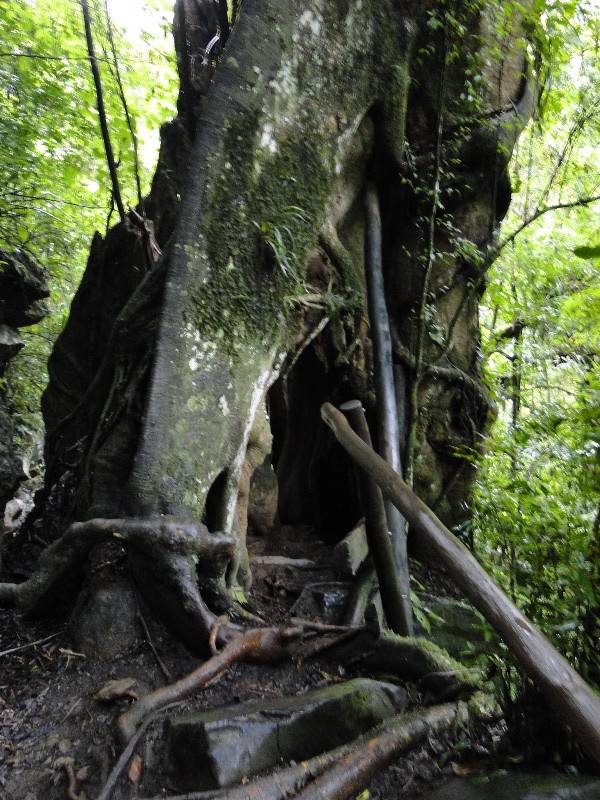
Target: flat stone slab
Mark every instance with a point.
(220, 747)
(518, 786)
(351, 551)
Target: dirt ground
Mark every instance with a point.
(50, 721)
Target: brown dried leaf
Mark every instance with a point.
(135, 769)
(461, 770)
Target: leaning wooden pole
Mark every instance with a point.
(388, 428)
(568, 694)
(395, 606)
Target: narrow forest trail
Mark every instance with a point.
(49, 718)
(52, 726)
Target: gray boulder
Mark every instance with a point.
(218, 748)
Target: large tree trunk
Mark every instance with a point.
(257, 204)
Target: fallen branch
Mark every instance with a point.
(572, 698)
(29, 644)
(260, 644)
(354, 771)
(404, 730)
(117, 770)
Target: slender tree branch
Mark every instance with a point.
(122, 98)
(48, 57)
(581, 201)
(112, 167)
(495, 251)
(45, 57)
(48, 199)
(585, 115)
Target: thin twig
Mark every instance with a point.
(30, 644)
(321, 627)
(114, 776)
(326, 643)
(163, 668)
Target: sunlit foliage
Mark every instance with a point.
(54, 185)
(537, 520)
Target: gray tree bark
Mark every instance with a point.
(257, 204)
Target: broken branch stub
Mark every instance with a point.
(573, 699)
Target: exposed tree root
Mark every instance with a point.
(412, 658)
(360, 759)
(56, 562)
(175, 537)
(260, 644)
(354, 771)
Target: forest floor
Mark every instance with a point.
(51, 723)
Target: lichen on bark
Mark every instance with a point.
(278, 121)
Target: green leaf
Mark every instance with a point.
(588, 251)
